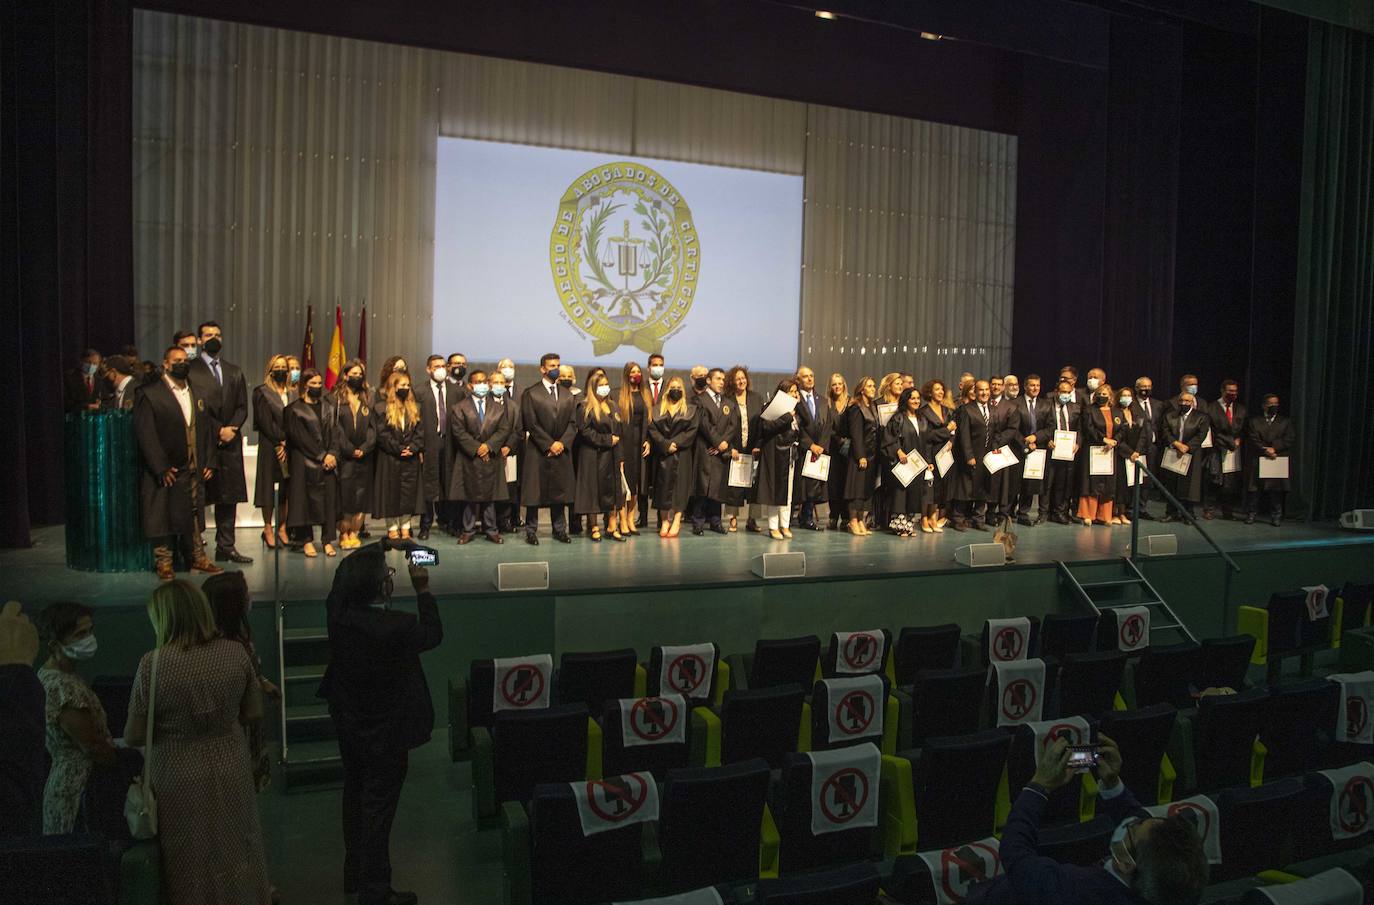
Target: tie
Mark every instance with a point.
(984, 410)
(1228, 414)
(90, 385)
(481, 412)
(214, 364)
(811, 404)
(553, 391)
(443, 409)
(1030, 407)
(1063, 418)
(655, 391)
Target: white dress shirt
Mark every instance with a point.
(183, 396)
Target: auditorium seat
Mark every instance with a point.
(975, 648)
(1062, 634)
(1224, 735)
(709, 825)
(856, 884)
(777, 661)
(924, 647)
(760, 722)
(1257, 827)
(862, 658)
(55, 870)
(792, 809)
(825, 697)
(1224, 662)
(470, 705)
(1357, 650)
(525, 748)
(1163, 674)
(941, 702)
(1065, 805)
(1311, 819)
(548, 859)
(1282, 630)
(712, 685)
(1143, 737)
(656, 756)
(955, 784)
(1089, 683)
(1298, 727)
(706, 895)
(1084, 844)
(1350, 610)
(595, 678)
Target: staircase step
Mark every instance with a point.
(310, 634)
(312, 672)
(323, 751)
(307, 713)
(1115, 583)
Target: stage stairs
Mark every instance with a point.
(1104, 585)
(309, 748)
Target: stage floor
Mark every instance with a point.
(40, 574)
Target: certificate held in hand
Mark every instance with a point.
(1101, 461)
(1178, 464)
(1272, 469)
(782, 404)
(742, 471)
(510, 469)
(999, 459)
(817, 468)
(944, 459)
(885, 412)
(906, 472)
(1064, 442)
(1035, 466)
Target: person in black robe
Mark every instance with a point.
(1009, 428)
(548, 413)
(1130, 430)
(973, 440)
(177, 442)
(813, 419)
(221, 384)
(434, 396)
(1269, 435)
(504, 394)
(655, 385)
(1038, 421)
(1097, 493)
(600, 446)
(714, 429)
(1184, 430)
(479, 428)
(1223, 489)
(837, 399)
(673, 431)
(1065, 415)
(270, 399)
(398, 481)
(1150, 413)
(632, 405)
(745, 408)
(778, 455)
(861, 465)
(312, 449)
(901, 439)
(356, 438)
(939, 430)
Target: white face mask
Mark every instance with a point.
(480, 389)
(439, 374)
(82, 649)
(499, 390)
(1094, 383)
(656, 371)
(508, 373)
(603, 391)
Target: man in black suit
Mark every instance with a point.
(548, 413)
(714, 427)
(433, 395)
(1222, 489)
(81, 385)
(380, 705)
(1066, 415)
(1038, 412)
(1149, 412)
(816, 425)
(176, 437)
(973, 439)
(509, 512)
(1015, 422)
(119, 373)
(1268, 435)
(221, 385)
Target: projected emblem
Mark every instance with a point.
(625, 257)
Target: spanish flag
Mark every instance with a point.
(337, 356)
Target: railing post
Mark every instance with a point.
(1135, 509)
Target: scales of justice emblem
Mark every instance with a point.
(625, 257)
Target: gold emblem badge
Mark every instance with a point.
(200, 405)
(725, 409)
(625, 257)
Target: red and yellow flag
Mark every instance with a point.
(337, 356)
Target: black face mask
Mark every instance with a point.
(700, 383)
(280, 375)
(565, 382)
(1142, 394)
(457, 372)
(355, 383)
(1271, 409)
(180, 370)
(403, 393)
(674, 394)
(1104, 399)
(313, 393)
(212, 345)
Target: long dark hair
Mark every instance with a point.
(228, 596)
(364, 395)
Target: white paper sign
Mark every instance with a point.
(817, 468)
(855, 708)
(781, 404)
(1064, 442)
(885, 412)
(1101, 461)
(844, 788)
(1316, 602)
(742, 471)
(944, 459)
(1203, 814)
(1072, 729)
(1008, 639)
(1035, 466)
(1132, 627)
(511, 475)
(1020, 691)
(1230, 462)
(1352, 800)
(954, 870)
(522, 683)
(704, 896)
(1336, 886)
(687, 670)
(1178, 464)
(1273, 469)
(653, 721)
(999, 459)
(1352, 717)
(616, 801)
(859, 653)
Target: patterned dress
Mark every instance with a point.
(71, 767)
(208, 830)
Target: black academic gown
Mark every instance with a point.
(397, 483)
(935, 428)
(1012, 424)
(548, 480)
(598, 463)
(1225, 436)
(860, 425)
(632, 440)
(1128, 435)
(226, 403)
(902, 434)
(355, 473)
(1261, 432)
(1187, 488)
(268, 413)
(713, 428)
(740, 419)
(1151, 431)
(674, 475)
(435, 467)
(474, 480)
(817, 430)
(1040, 417)
(839, 461)
(777, 456)
(311, 434)
(161, 433)
(973, 439)
(1094, 432)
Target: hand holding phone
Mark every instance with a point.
(422, 557)
(1083, 758)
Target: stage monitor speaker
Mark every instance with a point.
(977, 555)
(1156, 545)
(779, 565)
(1358, 519)
(521, 576)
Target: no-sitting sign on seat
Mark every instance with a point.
(858, 653)
(616, 801)
(854, 708)
(954, 870)
(522, 683)
(1008, 639)
(653, 721)
(844, 788)
(1352, 800)
(1203, 814)
(1020, 691)
(687, 670)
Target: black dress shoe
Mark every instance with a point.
(364, 534)
(423, 535)
(1250, 519)
(231, 556)
(1276, 521)
(496, 538)
(464, 539)
(720, 529)
(698, 530)
(1023, 520)
(1060, 519)
(531, 539)
(958, 527)
(562, 537)
(641, 522)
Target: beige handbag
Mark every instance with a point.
(140, 805)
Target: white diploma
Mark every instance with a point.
(624, 485)
(742, 471)
(1207, 440)
(1035, 466)
(1101, 461)
(944, 459)
(817, 469)
(885, 412)
(999, 459)
(1273, 468)
(510, 469)
(782, 404)
(1172, 461)
(1064, 442)
(1230, 462)
(910, 470)
(1133, 474)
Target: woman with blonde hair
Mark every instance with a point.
(837, 397)
(860, 427)
(672, 431)
(633, 405)
(356, 438)
(397, 487)
(1101, 427)
(600, 489)
(890, 388)
(192, 696)
(270, 399)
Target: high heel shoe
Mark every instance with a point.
(776, 535)
(330, 551)
(283, 538)
(617, 536)
(269, 544)
(787, 533)
(310, 551)
(925, 527)
(595, 535)
(677, 525)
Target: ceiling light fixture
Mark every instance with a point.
(824, 14)
(932, 36)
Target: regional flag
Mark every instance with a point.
(337, 357)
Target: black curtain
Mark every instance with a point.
(1333, 337)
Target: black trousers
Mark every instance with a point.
(1058, 485)
(224, 525)
(371, 791)
(480, 515)
(706, 510)
(558, 515)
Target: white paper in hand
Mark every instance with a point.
(782, 404)
(1035, 466)
(944, 459)
(510, 470)
(816, 467)
(742, 471)
(1101, 461)
(1178, 464)
(1064, 443)
(1272, 469)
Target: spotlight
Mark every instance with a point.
(929, 35)
(825, 14)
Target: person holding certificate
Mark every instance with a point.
(1039, 414)
(838, 400)
(813, 419)
(1225, 483)
(672, 431)
(478, 430)
(1101, 423)
(1184, 429)
(974, 438)
(1011, 426)
(714, 430)
(938, 428)
(600, 482)
(1063, 446)
(1129, 432)
(908, 485)
(778, 439)
(1271, 441)
(744, 441)
(860, 427)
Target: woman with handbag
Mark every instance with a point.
(192, 695)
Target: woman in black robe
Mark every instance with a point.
(600, 468)
(1101, 422)
(672, 431)
(904, 435)
(397, 485)
(312, 456)
(270, 399)
(745, 407)
(860, 426)
(632, 405)
(938, 430)
(777, 461)
(356, 437)
(1128, 430)
(838, 399)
